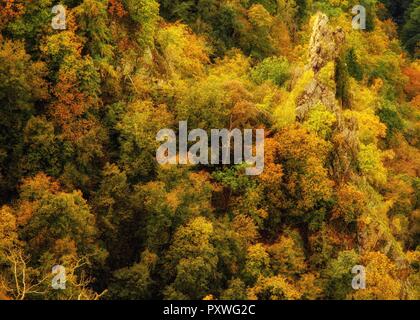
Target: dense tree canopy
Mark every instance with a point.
(80, 186)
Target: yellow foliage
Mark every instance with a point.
(285, 113)
(370, 127)
(185, 54)
(273, 288)
(382, 282)
(327, 75)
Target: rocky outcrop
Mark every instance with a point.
(325, 43)
(324, 48)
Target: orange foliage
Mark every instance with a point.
(115, 7)
(350, 203)
(70, 107)
(10, 9)
(412, 88)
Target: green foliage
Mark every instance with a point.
(391, 118)
(410, 34)
(138, 129)
(354, 68)
(269, 5)
(338, 275)
(235, 291)
(43, 148)
(191, 260)
(33, 24)
(397, 9)
(22, 85)
(341, 77)
(145, 14)
(234, 178)
(93, 22)
(320, 121)
(257, 263)
(135, 282)
(80, 185)
(275, 69)
(370, 163)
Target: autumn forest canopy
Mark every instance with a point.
(80, 186)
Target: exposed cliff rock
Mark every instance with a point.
(324, 48)
(325, 43)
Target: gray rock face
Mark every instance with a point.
(324, 47)
(324, 44)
